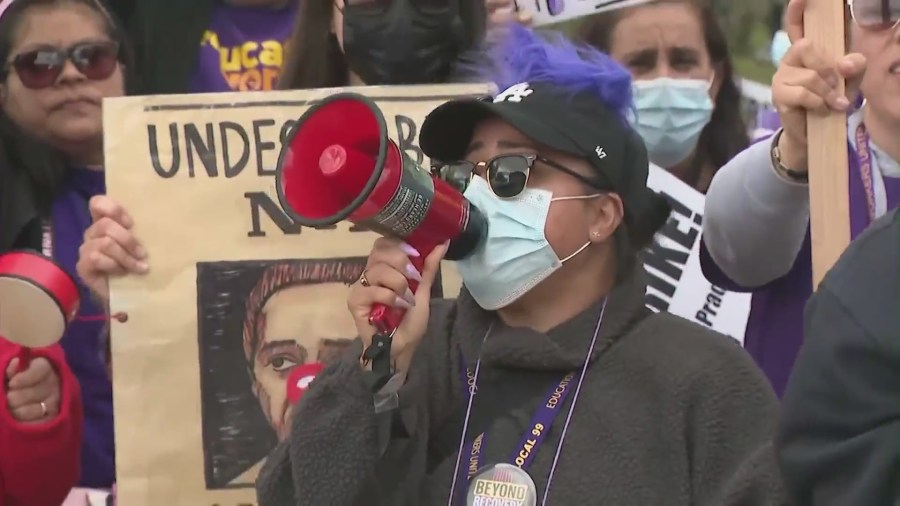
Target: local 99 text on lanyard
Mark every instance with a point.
(468, 460)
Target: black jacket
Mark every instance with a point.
(839, 440)
(30, 173)
(162, 32)
(20, 224)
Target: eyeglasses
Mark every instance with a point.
(875, 15)
(42, 67)
(507, 175)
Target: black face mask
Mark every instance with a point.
(403, 41)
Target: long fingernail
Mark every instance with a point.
(413, 273)
(409, 250)
(409, 297)
(401, 303)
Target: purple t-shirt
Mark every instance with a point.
(243, 48)
(84, 342)
(775, 325)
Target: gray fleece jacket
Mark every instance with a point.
(670, 414)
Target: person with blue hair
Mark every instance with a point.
(547, 381)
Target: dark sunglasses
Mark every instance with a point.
(875, 15)
(42, 67)
(507, 175)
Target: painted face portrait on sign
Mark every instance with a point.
(295, 315)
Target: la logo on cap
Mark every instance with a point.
(514, 93)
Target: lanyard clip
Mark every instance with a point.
(379, 355)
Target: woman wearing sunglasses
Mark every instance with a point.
(756, 225)
(60, 59)
(546, 381)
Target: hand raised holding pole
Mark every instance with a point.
(826, 133)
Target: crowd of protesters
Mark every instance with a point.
(805, 414)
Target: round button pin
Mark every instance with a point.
(501, 485)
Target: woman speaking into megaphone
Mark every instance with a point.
(547, 381)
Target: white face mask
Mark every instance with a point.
(671, 115)
(516, 255)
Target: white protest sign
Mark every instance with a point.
(545, 12)
(675, 280)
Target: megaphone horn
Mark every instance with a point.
(338, 164)
(38, 300)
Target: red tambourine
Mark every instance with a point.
(38, 300)
(300, 378)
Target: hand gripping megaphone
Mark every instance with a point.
(338, 164)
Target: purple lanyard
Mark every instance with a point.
(865, 169)
(534, 435)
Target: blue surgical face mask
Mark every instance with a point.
(516, 255)
(670, 116)
(780, 45)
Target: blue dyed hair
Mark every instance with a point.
(523, 55)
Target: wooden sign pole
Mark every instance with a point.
(829, 206)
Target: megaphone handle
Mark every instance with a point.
(386, 319)
(24, 357)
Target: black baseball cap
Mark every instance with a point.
(578, 124)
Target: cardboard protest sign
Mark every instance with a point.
(237, 294)
(675, 280)
(545, 12)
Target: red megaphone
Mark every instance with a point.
(38, 300)
(338, 164)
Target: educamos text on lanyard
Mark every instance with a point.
(509, 482)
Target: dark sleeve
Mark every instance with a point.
(839, 441)
(732, 416)
(757, 481)
(714, 274)
(166, 35)
(334, 455)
